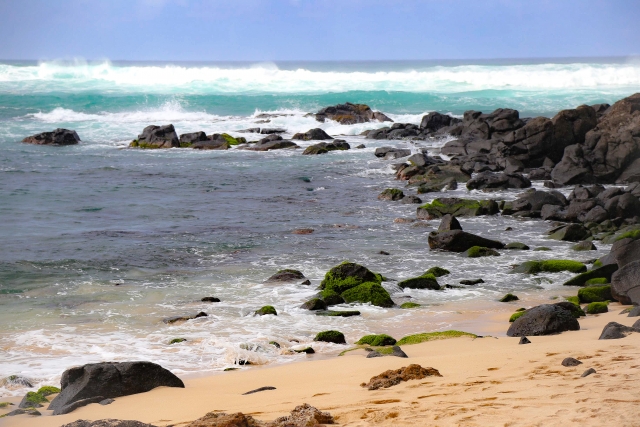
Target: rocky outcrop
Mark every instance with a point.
(609, 152)
(312, 134)
(325, 147)
(157, 137)
(187, 139)
(349, 114)
(459, 241)
(491, 181)
(302, 416)
(95, 381)
(458, 207)
(389, 153)
(57, 137)
(615, 331)
(625, 284)
(272, 142)
(544, 319)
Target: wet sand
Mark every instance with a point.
(485, 381)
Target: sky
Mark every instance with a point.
(272, 30)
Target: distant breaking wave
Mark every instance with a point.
(268, 78)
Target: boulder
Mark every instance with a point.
(570, 233)
(614, 331)
(389, 153)
(570, 361)
(325, 147)
(448, 223)
(335, 337)
(490, 181)
(109, 380)
(355, 283)
(349, 114)
(312, 134)
(435, 121)
(217, 144)
(544, 319)
(459, 241)
(425, 281)
(271, 144)
(625, 284)
(391, 194)
(479, 251)
(56, 137)
(188, 139)
(286, 275)
(157, 137)
(623, 252)
(606, 272)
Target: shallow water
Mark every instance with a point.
(172, 226)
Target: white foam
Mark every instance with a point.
(268, 78)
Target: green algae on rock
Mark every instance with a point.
(267, 309)
(332, 336)
(605, 271)
(391, 194)
(372, 292)
(433, 336)
(426, 281)
(550, 266)
(457, 207)
(376, 340)
(410, 305)
(515, 315)
(177, 340)
(437, 271)
(48, 390)
(595, 294)
(597, 307)
(479, 251)
(509, 298)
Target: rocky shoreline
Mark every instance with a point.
(586, 147)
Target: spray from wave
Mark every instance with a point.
(268, 78)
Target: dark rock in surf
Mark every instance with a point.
(286, 275)
(349, 114)
(325, 147)
(57, 137)
(157, 137)
(312, 134)
(109, 380)
(460, 241)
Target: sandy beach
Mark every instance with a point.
(485, 381)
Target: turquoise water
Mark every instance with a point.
(172, 226)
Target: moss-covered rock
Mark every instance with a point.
(574, 300)
(433, 336)
(346, 276)
(233, 141)
(177, 340)
(457, 207)
(515, 315)
(575, 309)
(605, 272)
(314, 304)
(584, 246)
(336, 313)
(479, 251)
(595, 294)
(33, 400)
(597, 281)
(391, 194)
(307, 350)
(597, 307)
(550, 266)
(410, 305)
(517, 246)
(632, 234)
(48, 390)
(426, 281)
(5, 405)
(509, 298)
(372, 292)
(438, 271)
(267, 309)
(376, 340)
(335, 337)
(331, 297)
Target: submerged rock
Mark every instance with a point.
(286, 275)
(312, 134)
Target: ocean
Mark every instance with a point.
(99, 242)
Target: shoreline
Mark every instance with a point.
(484, 381)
